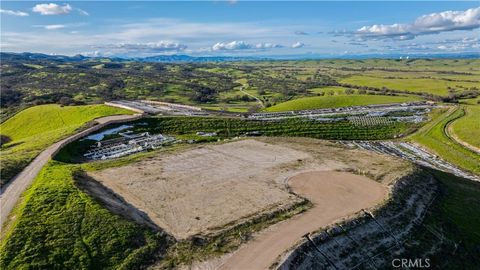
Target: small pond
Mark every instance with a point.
(99, 136)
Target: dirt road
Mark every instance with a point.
(451, 134)
(334, 195)
(10, 193)
(248, 94)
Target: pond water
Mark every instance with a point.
(99, 136)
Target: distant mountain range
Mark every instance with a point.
(40, 56)
(188, 58)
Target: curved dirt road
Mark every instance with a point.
(451, 134)
(248, 94)
(334, 195)
(11, 192)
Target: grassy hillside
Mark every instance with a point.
(412, 84)
(336, 101)
(26, 81)
(34, 129)
(433, 137)
(57, 226)
(461, 205)
(467, 128)
(451, 226)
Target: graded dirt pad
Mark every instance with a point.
(207, 187)
(333, 194)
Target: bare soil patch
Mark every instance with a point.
(333, 194)
(210, 188)
(207, 187)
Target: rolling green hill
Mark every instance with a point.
(30, 131)
(336, 101)
(60, 227)
(433, 137)
(436, 86)
(467, 128)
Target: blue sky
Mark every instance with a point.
(133, 28)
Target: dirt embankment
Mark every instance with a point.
(204, 190)
(368, 242)
(450, 132)
(334, 195)
(10, 193)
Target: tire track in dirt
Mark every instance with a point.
(451, 134)
(333, 194)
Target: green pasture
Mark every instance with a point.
(335, 101)
(433, 137)
(34, 129)
(467, 128)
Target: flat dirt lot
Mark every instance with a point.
(333, 194)
(201, 190)
(206, 187)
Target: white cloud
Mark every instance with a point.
(267, 46)
(52, 9)
(197, 35)
(162, 46)
(425, 24)
(449, 20)
(464, 44)
(297, 45)
(242, 45)
(13, 12)
(300, 33)
(234, 45)
(385, 30)
(175, 29)
(83, 12)
(51, 26)
(59, 26)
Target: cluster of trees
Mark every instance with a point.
(227, 127)
(38, 81)
(239, 98)
(27, 80)
(203, 94)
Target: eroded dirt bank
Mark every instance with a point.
(334, 195)
(371, 240)
(205, 191)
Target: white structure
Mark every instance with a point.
(127, 145)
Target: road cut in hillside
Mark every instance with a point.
(10, 193)
(333, 194)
